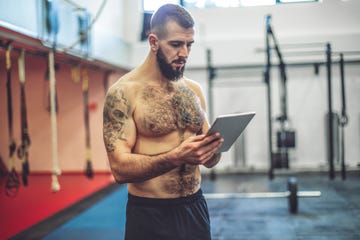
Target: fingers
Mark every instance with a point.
(207, 151)
(211, 150)
(200, 148)
(205, 140)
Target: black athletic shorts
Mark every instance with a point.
(185, 218)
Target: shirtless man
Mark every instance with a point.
(154, 125)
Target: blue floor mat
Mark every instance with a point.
(104, 220)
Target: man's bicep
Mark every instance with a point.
(201, 97)
(118, 126)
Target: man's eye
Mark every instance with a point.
(175, 44)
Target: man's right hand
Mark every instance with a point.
(197, 149)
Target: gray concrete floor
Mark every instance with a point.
(333, 216)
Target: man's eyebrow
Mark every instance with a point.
(180, 41)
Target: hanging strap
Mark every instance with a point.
(23, 149)
(55, 186)
(85, 87)
(76, 74)
(106, 81)
(12, 184)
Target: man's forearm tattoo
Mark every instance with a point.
(116, 112)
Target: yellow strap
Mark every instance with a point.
(21, 64)
(75, 74)
(85, 80)
(88, 154)
(8, 57)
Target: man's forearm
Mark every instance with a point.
(129, 167)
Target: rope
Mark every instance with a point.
(47, 91)
(55, 186)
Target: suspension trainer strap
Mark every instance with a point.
(12, 182)
(85, 87)
(55, 186)
(106, 81)
(23, 149)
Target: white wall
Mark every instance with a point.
(109, 41)
(234, 35)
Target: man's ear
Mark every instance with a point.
(153, 41)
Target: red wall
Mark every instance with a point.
(71, 130)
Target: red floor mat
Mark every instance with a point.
(36, 202)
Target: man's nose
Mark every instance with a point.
(184, 52)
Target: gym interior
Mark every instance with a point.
(293, 173)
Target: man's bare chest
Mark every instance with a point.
(161, 111)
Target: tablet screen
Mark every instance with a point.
(230, 127)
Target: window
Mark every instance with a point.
(151, 5)
(246, 3)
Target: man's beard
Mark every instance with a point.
(166, 68)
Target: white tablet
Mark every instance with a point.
(230, 127)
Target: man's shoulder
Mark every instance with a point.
(125, 83)
(192, 84)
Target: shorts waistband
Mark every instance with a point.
(132, 199)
